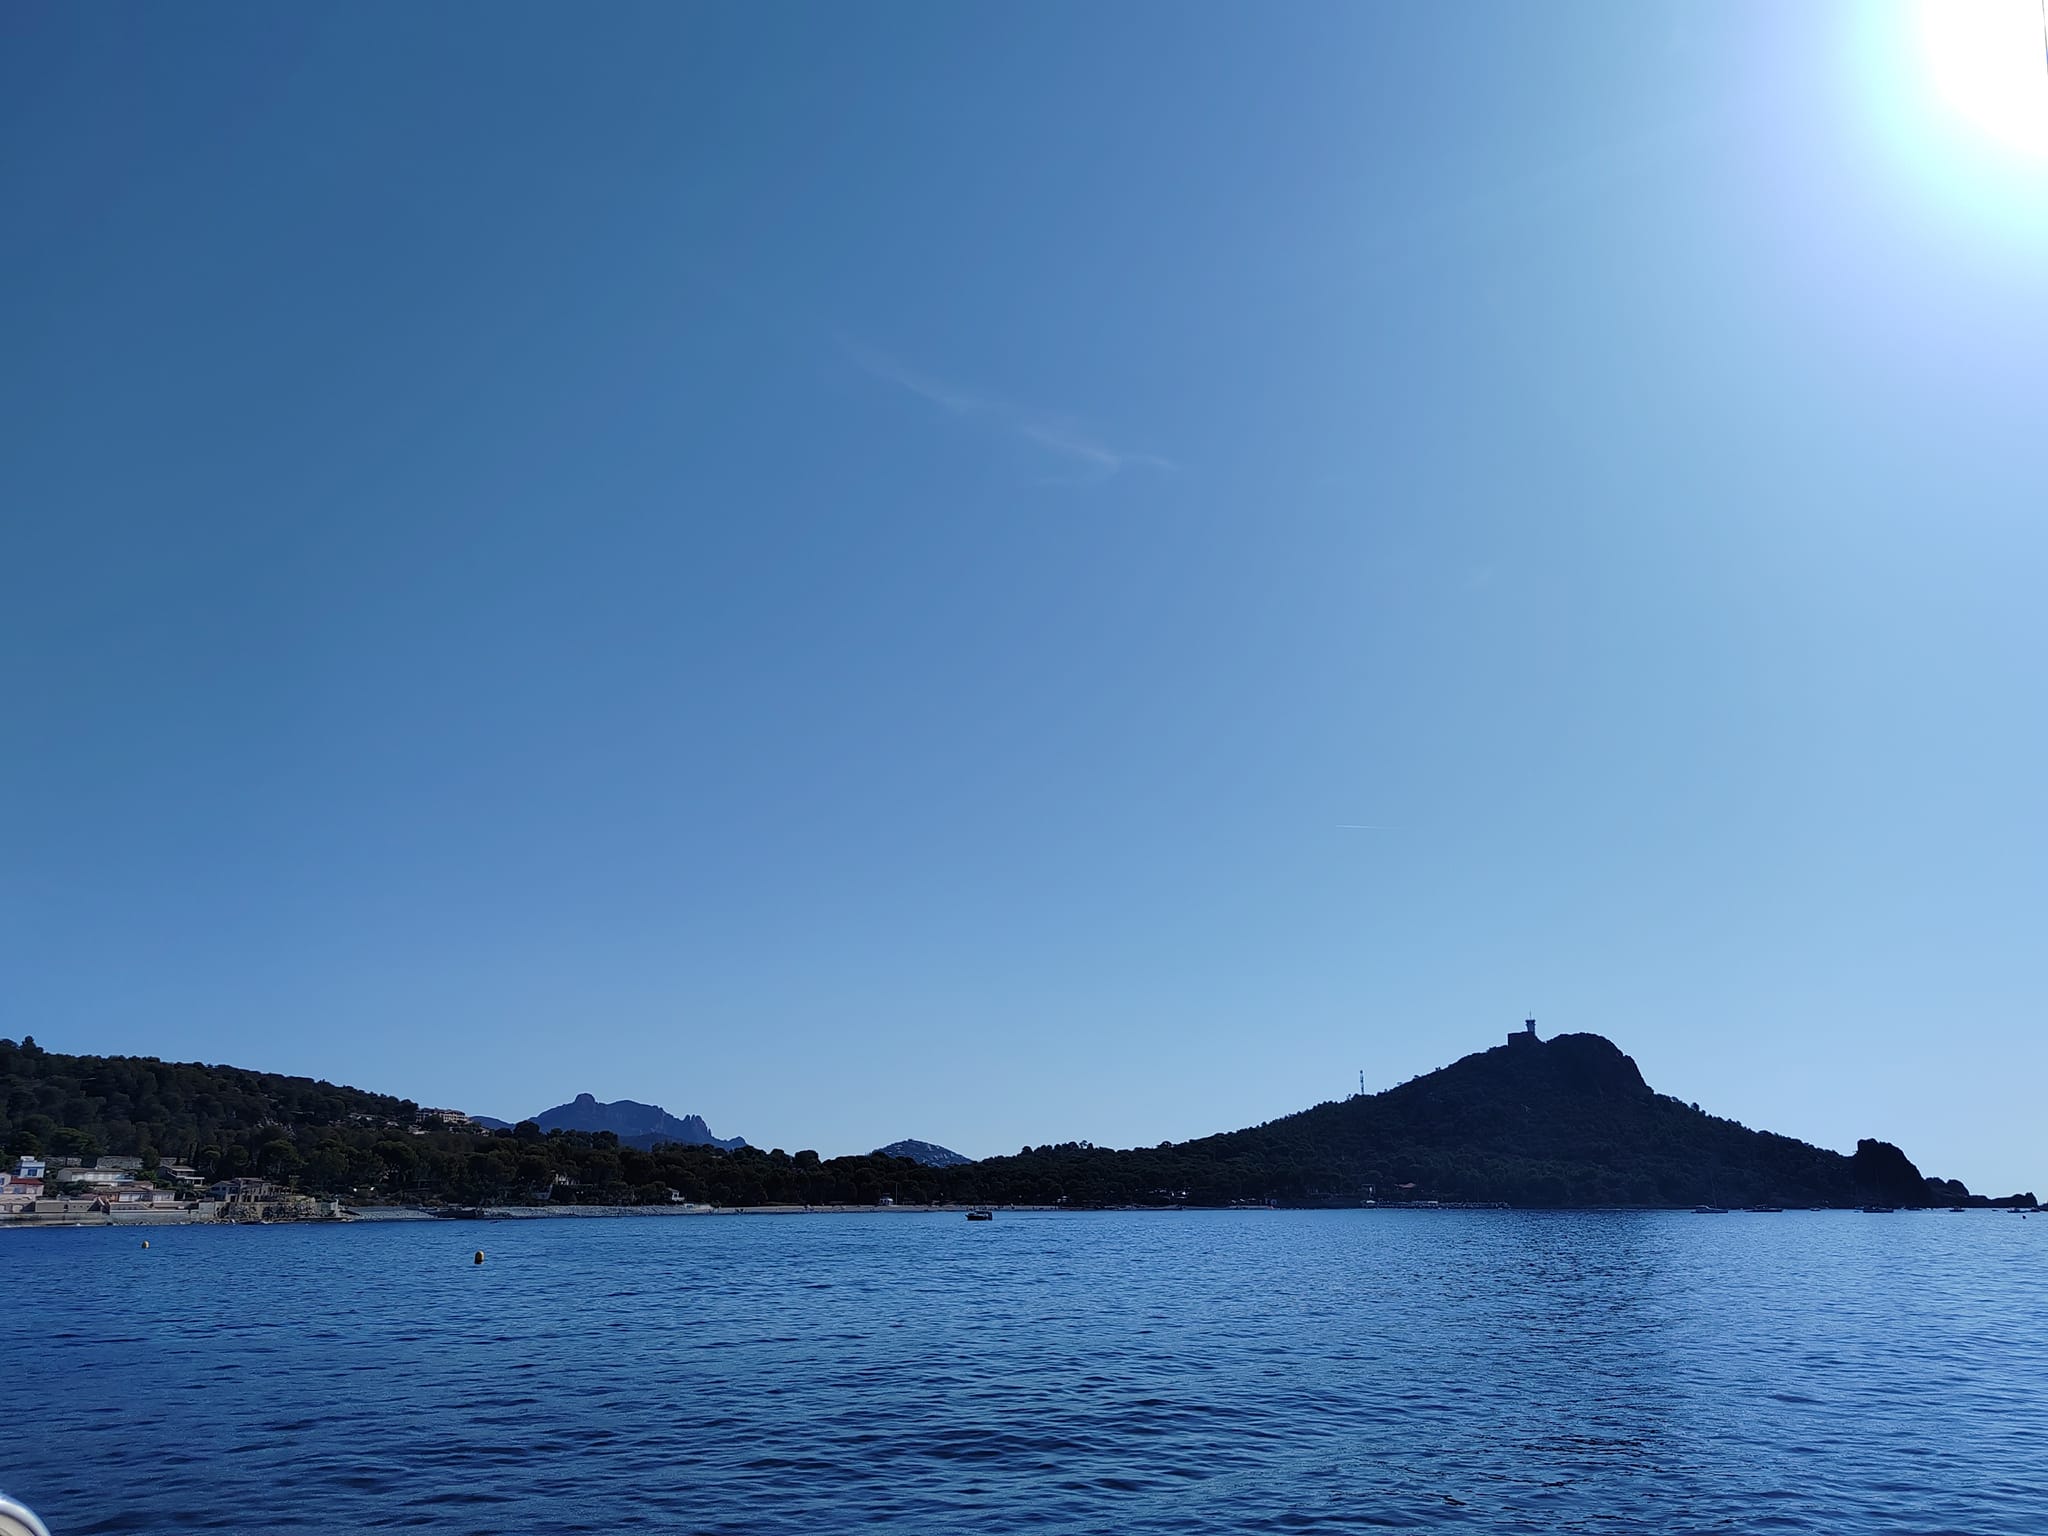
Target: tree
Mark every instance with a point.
(279, 1160)
(328, 1167)
(69, 1141)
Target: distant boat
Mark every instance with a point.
(981, 1215)
(1766, 1210)
(1879, 1210)
(1710, 1210)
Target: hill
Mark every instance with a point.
(1567, 1121)
(85, 1105)
(1564, 1122)
(927, 1153)
(636, 1125)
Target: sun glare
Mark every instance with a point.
(1989, 61)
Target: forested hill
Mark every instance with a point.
(1565, 1122)
(86, 1105)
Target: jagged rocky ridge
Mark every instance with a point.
(645, 1126)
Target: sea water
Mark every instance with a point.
(1149, 1371)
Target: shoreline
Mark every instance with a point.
(389, 1214)
(596, 1212)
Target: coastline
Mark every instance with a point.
(594, 1212)
(389, 1214)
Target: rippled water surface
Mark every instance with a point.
(1163, 1372)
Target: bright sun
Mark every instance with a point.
(1989, 61)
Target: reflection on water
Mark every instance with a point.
(1168, 1372)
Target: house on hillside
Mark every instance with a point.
(129, 1195)
(94, 1178)
(67, 1209)
(244, 1189)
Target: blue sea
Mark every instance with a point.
(1169, 1372)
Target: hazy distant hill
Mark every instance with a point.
(930, 1154)
(636, 1125)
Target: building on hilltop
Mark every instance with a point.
(1526, 1035)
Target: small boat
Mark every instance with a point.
(1710, 1210)
(981, 1215)
(1879, 1210)
(1766, 1210)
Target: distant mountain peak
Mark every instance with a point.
(634, 1123)
(929, 1153)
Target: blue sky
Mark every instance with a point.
(1008, 575)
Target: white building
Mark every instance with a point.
(97, 1178)
(142, 1194)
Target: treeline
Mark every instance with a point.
(1567, 1122)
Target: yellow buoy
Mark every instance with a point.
(479, 1255)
